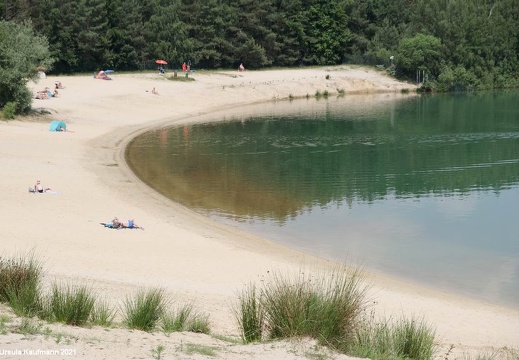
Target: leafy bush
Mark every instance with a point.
(9, 110)
(457, 79)
(22, 52)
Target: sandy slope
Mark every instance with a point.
(194, 259)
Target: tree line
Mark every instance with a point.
(448, 44)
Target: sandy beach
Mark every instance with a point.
(193, 258)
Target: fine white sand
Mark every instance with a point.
(194, 259)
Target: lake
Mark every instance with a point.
(421, 188)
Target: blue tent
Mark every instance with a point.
(57, 125)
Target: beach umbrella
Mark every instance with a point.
(109, 71)
(163, 62)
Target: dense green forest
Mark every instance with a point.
(454, 44)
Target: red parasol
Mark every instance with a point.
(163, 62)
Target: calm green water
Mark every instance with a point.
(423, 188)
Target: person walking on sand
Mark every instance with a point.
(241, 67)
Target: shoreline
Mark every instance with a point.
(184, 252)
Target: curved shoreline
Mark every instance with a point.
(182, 251)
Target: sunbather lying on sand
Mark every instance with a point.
(116, 224)
(39, 188)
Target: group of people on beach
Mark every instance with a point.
(47, 93)
(114, 224)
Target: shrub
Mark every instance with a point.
(71, 305)
(145, 309)
(9, 110)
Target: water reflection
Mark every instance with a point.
(421, 187)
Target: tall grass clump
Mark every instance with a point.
(414, 339)
(199, 324)
(20, 284)
(325, 307)
(26, 301)
(249, 315)
(102, 314)
(72, 305)
(404, 339)
(144, 310)
(185, 318)
(177, 320)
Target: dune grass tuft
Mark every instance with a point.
(72, 305)
(102, 314)
(199, 324)
(325, 307)
(402, 339)
(144, 310)
(20, 284)
(185, 318)
(249, 315)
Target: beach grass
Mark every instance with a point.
(144, 310)
(386, 339)
(249, 315)
(505, 353)
(102, 314)
(324, 306)
(201, 350)
(199, 323)
(20, 284)
(177, 320)
(69, 304)
(26, 300)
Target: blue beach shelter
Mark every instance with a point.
(57, 125)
